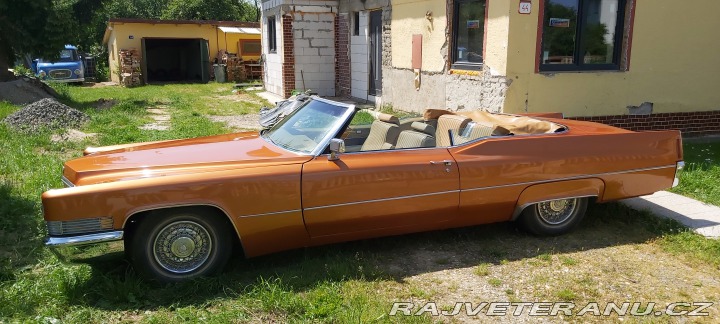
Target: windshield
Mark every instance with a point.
(66, 55)
(309, 126)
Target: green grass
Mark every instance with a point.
(350, 282)
(701, 177)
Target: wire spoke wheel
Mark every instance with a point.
(182, 247)
(553, 217)
(556, 211)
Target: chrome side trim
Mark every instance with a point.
(382, 199)
(568, 178)
(84, 239)
(272, 213)
(519, 209)
(67, 182)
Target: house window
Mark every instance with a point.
(582, 35)
(271, 35)
(250, 47)
(356, 23)
(468, 34)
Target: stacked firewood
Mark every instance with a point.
(234, 67)
(130, 73)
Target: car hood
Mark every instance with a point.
(155, 159)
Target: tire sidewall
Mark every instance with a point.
(144, 241)
(532, 221)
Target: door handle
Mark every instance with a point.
(445, 162)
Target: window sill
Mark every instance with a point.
(550, 73)
(465, 72)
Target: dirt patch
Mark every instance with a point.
(102, 103)
(24, 91)
(72, 135)
(238, 97)
(239, 122)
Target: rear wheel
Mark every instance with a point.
(180, 245)
(553, 217)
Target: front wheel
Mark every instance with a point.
(553, 217)
(179, 246)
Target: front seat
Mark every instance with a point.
(448, 122)
(421, 135)
(384, 133)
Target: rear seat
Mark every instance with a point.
(421, 135)
(446, 123)
(384, 133)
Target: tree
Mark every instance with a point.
(40, 28)
(210, 10)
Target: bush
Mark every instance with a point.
(21, 70)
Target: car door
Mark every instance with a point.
(365, 192)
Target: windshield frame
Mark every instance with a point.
(332, 132)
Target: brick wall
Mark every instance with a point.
(288, 69)
(342, 55)
(689, 123)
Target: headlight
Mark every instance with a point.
(41, 73)
(78, 72)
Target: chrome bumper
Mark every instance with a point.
(84, 239)
(679, 166)
(55, 243)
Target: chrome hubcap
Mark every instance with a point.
(557, 211)
(181, 247)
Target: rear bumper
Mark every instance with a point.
(679, 166)
(57, 243)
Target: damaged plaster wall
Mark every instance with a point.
(441, 87)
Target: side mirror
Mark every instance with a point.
(337, 147)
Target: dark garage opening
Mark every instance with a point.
(175, 60)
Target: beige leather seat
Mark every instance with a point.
(384, 133)
(448, 122)
(421, 135)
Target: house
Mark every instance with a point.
(178, 50)
(636, 64)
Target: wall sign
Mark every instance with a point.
(525, 7)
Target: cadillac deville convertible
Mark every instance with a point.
(316, 177)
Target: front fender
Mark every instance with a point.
(243, 192)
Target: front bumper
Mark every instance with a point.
(65, 80)
(57, 243)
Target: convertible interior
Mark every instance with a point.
(440, 128)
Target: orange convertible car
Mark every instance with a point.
(317, 177)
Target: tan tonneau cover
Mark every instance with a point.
(518, 125)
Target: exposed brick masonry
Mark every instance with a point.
(342, 55)
(689, 123)
(288, 70)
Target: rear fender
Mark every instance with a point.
(580, 188)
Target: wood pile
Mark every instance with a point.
(235, 69)
(130, 73)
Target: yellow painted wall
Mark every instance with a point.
(408, 18)
(121, 32)
(230, 42)
(675, 64)
(497, 35)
